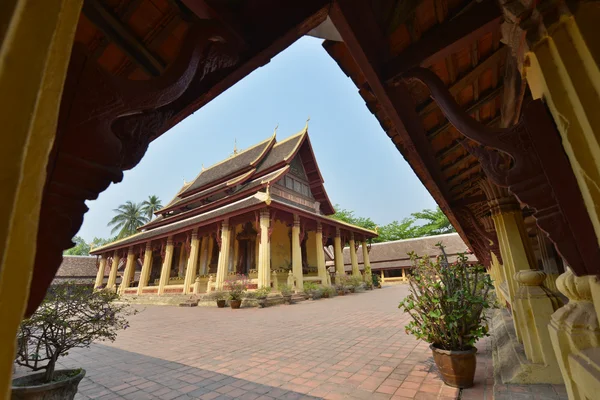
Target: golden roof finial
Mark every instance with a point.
(235, 150)
(202, 166)
(306, 126)
(268, 200)
(275, 130)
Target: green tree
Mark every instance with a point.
(395, 230)
(348, 216)
(130, 216)
(436, 222)
(81, 248)
(150, 206)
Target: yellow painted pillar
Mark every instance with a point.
(338, 256)
(223, 255)
(320, 252)
(203, 270)
(182, 260)
(366, 262)
(264, 250)
(353, 257)
(35, 46)
(404, 274)
(165, 270)
(129, 270)
(382, 277)
(562, 69)
(575, 335)
(209, 255)
(190, 271)
(297, 255)
(112, 276)
(146, 268)
(498, 277)
(100, 274)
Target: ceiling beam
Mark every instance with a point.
(473, 108)
(466, 172)
(121, 36)
(458, 144)
(468, 201)
(444, 40)
(471, 77)
(217, 11)
(368, 47)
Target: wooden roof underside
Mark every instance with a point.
(457, 39)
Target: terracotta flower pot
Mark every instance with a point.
(28, 387)
(341, 293)
(235, 304)
(221, 303)
(456, 367)
(352, 290)
(325, 295)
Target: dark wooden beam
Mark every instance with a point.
(471, 109)
(466, 172)
(447, 38)
(120, 35)
(214, 10)
(468, 201)
(363, 38)
(458, 144)
(456, 163)
(468, 79)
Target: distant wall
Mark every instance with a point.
(311, 249)
(281, 247)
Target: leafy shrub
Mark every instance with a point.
(355, 281)
(262, 293)
(447, 302)
(285, 289)
(218, 295)
(309, 286)
(237, 285)
(70, 316)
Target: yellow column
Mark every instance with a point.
(112, 277)
(223, 255)
(129, 270)
(382, 277)
(204, 255)
(146, 268)
(562, 69)
(338, 256)
(166, 267)
(297, 254)
(366, 262)
(190, 271)
(404, 274)
(100, 274)
(320, 255)
(35, 46)
(182, 260)
(353, 257)
(264, 250)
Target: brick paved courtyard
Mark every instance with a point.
(351, 347)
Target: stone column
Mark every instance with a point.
(321, 255)
(297, 254)
(146, 268)
(264, 250)
(353, 257)
(190, 270)
(575, 335)
(112, 277)
(166, 267)
(366, 261)
(223, 255)
(338, 256)
(129, 270)
(203, 270)
(100, 274)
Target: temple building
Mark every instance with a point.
(262, 212)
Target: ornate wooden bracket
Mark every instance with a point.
(529, 160)
(218, 235)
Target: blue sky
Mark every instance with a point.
(362, 169)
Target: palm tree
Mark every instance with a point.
(129, 217)
(150, 206)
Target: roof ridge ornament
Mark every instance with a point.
(275, 130)
(235, 149)
(306, 126)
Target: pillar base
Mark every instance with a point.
(510, 363)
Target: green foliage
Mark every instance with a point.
(237, 286)
(70, 316)
(285, 289)
(82, 248)
(130, 216)
(218, 295)
(436, 222)
(447, 302)
(309, 286)
(375, 280)
(355, 281)
(150, 206)
(262, 293)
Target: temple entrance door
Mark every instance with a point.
(247, 250)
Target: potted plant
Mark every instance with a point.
(447, 304)
(354, 283)
(286, 292)
(237, 286)
(261, 296)
(309, 288)
(324, 291)
(220, 297)
(376, 282)
(70, 316)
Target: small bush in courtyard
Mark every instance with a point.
(262, 293)
(70, 316)
(237, 286)
(447, 302)
(286, 290)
